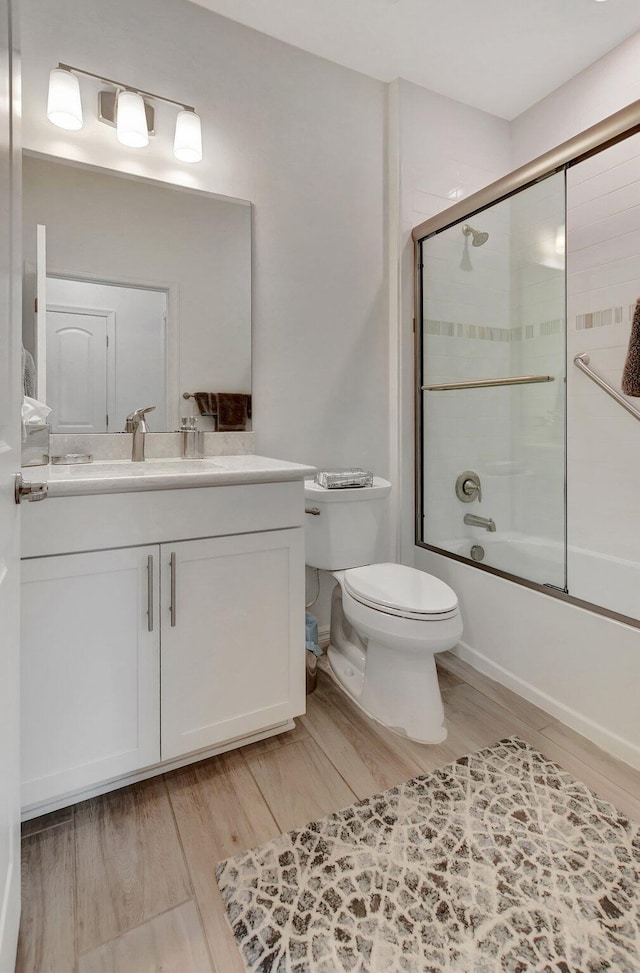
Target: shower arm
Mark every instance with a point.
(582, 362)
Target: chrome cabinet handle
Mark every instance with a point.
(150, 593)
(172, 606)
(25, 490)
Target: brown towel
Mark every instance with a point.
(207, 403)
(631, 372)
(232, 409)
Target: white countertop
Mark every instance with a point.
(123, 476)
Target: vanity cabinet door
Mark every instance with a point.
(90, 669)
(233, 655)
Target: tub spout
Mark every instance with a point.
(472, 521)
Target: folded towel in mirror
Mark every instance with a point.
(233, 409)
(207, 403)
(631, 372)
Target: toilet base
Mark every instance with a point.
(384, 665)
(424, 724)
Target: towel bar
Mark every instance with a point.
(486, 383)
(582, 362)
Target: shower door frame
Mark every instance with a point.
(611, 130)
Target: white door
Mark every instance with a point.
(10, 398)
(90, 669)
(77, 373)
(137, 359)
(232, 637)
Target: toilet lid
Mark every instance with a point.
(399, 587)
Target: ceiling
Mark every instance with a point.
(498, 55)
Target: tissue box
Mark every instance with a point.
(35, 444)
(344, 479)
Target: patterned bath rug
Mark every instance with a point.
(499, 863)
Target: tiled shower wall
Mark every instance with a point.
(603, 286)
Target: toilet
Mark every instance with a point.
(387, 620)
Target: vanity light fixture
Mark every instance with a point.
(125, 108)
(131, 120)
(64, 107)
(187, 145)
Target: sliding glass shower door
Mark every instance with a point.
(493, 368)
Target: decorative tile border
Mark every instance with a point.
(622, 314)
(451, 329)
(605, 317)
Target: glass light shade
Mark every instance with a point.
(131, 120)
(64, 107)
(187, 145)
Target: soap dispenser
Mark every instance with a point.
(192, 438)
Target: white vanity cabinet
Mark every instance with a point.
(143, 657)
(90, 670)
(230, 617)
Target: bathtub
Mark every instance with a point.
(602, 579)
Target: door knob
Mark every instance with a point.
(25, 490)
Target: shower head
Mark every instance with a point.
(478, 237)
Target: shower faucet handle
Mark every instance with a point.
(468, 487)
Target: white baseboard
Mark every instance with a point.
(323, 636)
(615, 745)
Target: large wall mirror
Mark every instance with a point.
(136, 293)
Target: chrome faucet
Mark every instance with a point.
(136, 423)
(473, 521)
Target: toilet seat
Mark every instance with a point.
(396, 589)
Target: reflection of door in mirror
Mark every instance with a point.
(105, 352)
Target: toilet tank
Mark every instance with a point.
(347, 531)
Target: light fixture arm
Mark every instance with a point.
(125, 87)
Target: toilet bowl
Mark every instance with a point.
(387, 620)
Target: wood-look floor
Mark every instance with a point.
(125, 883)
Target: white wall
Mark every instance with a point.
(581, 667)
(603, 88)
(300, 137)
